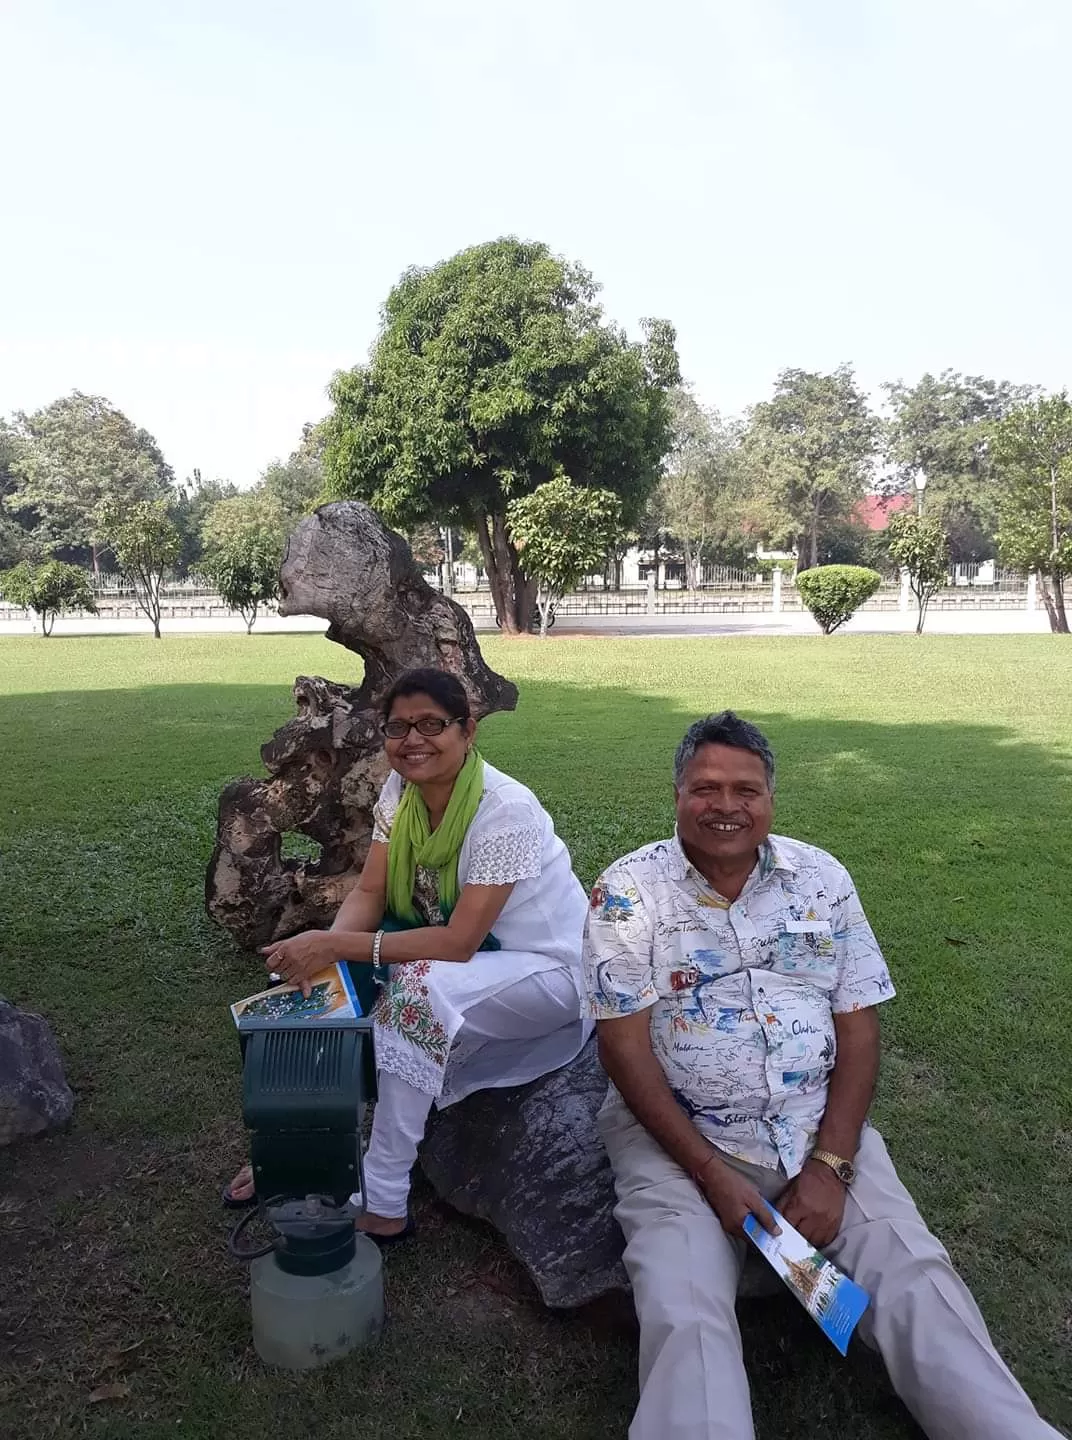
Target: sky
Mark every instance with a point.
(205, 202)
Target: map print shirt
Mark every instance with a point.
(742, 995)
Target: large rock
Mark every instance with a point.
(35, 1098)
(531, 1162)
(326, 767)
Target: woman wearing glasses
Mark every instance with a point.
(470, 899)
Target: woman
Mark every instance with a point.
(469, 896)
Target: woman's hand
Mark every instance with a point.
(296, 960)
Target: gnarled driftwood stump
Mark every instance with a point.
(326, 767)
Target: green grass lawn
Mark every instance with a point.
(937, 769)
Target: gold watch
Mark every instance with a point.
(845, 1170)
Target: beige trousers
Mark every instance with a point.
(685, 1269)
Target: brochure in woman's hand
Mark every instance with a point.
(331, 996)
(832, 1300)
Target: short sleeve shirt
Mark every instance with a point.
(743, 994)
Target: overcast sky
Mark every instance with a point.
(205, 202)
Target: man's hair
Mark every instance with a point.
(726, 728)
(440, 686)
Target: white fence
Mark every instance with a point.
(727, 591)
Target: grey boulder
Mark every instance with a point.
(531, 1162)
(35, 1098)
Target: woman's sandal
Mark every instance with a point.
(386, 1241)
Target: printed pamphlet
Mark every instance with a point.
(331, 997)
(832, 1300)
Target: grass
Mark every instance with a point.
(937, 769)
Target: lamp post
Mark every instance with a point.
(920, 481)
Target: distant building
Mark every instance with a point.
(875, 512)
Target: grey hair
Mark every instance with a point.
(726, 728)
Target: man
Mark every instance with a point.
(735, 980)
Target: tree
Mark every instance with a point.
(920, 545)
(696, 498)
(80, 457)
(146, 542)
(16, 522)
(562, 531)
(190, 509)
(833, 593)
(944, 425)
(48, 589)
(297, 484)
(493, 373)
(1033, 454)
(244, 537)
(812, 448)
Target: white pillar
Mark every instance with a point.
(651, 592)
(776, 590)
(1032, 592)
(906, 592)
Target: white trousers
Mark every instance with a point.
(538, 1005)
(685, 1269)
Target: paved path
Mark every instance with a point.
(940, 622)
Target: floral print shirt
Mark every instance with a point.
(742, 996)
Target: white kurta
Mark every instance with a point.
(419, 1018)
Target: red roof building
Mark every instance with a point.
(876, 511)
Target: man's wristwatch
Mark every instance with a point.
(845, 1170)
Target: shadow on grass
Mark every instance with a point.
(112, 1235)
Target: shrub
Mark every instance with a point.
(833, 593)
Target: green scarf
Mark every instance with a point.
(413, 842)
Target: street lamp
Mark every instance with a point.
(920, 481)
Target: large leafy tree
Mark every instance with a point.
(81, 457)
(16, 522)
(811, 450)
(944, 425)
(1033, 456)
(494, 372)
(563, 532)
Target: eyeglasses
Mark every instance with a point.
(431, 725)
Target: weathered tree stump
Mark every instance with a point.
(326, 767)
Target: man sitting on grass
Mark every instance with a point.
(735, 980)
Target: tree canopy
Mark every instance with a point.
(494, 372)
(48, 590)
(147, 543)
(812, 449)
(944, 425)
(562, 531)
(1033, 454)
(78, 458)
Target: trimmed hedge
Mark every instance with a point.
(833, 593)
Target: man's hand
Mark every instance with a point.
(297, 959)
(733, 1198)
(815, 1203)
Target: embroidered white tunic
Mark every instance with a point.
(742, 995)
(419, 1019)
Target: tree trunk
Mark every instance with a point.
(813, 541)
(513, 595)
(96, 559)
(48, 619)
(1055, 604)
(687, 548)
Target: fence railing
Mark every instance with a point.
(193, 599)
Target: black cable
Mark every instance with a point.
(259, 1210)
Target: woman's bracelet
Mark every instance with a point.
(379, 972)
